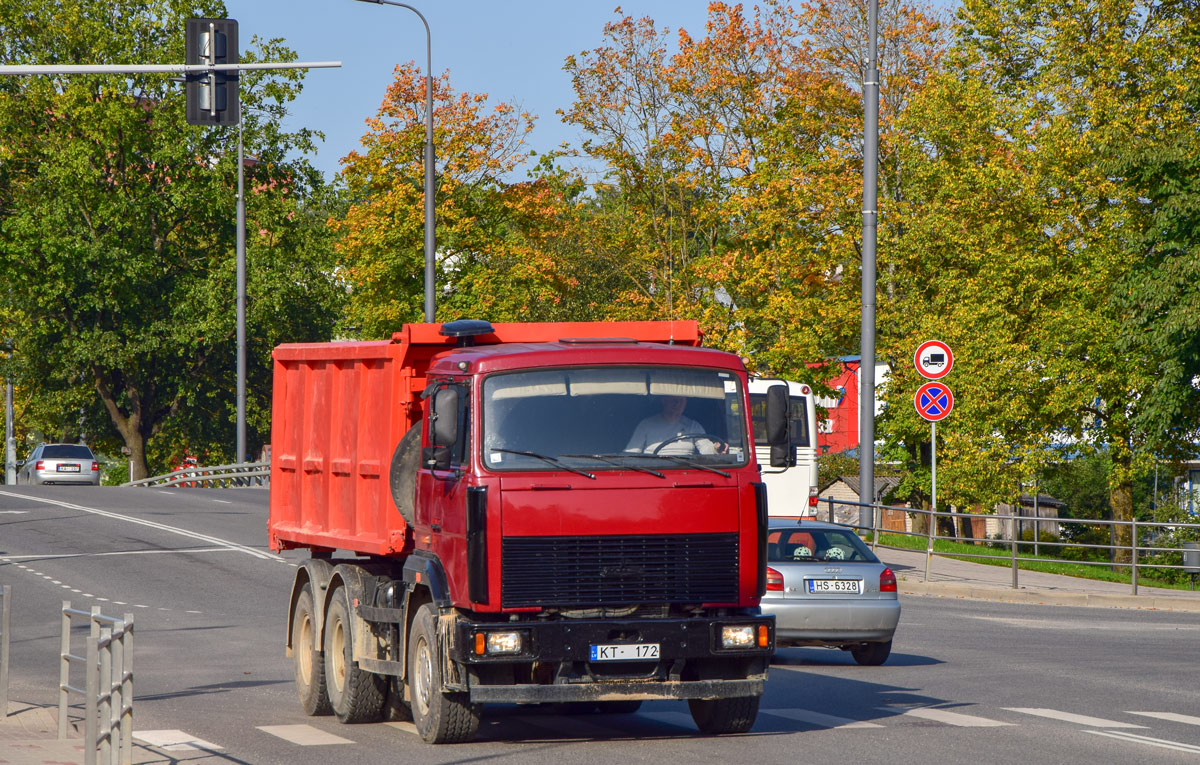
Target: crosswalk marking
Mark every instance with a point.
(1159, 742)
(407, 727)
(818, 719)
(174, 741)
(1054, 714)
(1171, 716)
(304, 735)
(947, 717)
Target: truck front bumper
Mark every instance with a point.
(556, 664)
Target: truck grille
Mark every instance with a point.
(619, 570)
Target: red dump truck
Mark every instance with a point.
(522, 513)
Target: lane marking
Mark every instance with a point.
(1054, 714)
(947, 717)
(223, 501)
(149, 524)
(304, 735)
(56, 556)
(818, 719)
(1171, 716)
(13, 512)
(174, 741)
(1158, 742)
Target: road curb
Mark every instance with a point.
(1048, 597)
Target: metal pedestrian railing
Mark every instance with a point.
(108, 685)
(1188, 552)
(242, 474)
(5, 621)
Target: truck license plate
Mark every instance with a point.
(852, 586)
(68, 468)
(625, 652)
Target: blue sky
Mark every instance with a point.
(513, 51)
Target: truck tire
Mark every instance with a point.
(309, 663)
(440, 718)
(872, 654)
(718, 716)
(355, 695)
(402, 475)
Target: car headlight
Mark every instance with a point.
(497, 643)
(741, 636)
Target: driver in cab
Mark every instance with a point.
(670, 429)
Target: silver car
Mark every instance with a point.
(60, 463)
(826, 588)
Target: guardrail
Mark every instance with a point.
(5, 621)
(241, 474)
(1189, 552)
(108, 685)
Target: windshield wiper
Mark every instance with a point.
(610, 460)
(688, 463)
(544, 458)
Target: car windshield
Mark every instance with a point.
(66, 452)
(816, 545)
(647, 419)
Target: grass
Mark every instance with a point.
(1027, 560)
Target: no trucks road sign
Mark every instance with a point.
(933, 359)
(933, 401)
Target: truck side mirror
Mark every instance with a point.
(443, 429)
(779, 430)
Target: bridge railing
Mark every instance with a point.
(216, 476)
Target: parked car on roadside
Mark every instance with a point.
(60, 463)
(826, 588)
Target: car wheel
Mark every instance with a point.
(440, 718)
(871, 654)
(356, 696)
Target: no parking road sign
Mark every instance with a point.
(933, 401)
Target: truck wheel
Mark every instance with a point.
(440, 718)
(309, 664)
(355, 695)
(872, 654)
(717, 716)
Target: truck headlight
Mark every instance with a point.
(738, 637)
(494, 643)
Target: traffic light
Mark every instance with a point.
(212, 97)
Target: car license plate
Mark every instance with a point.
(851, 586)
(625, 652)
(68, 468)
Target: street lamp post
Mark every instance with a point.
(866, 367)
(430, 229)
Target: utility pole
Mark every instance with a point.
(866, 367)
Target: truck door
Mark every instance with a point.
(442, 481)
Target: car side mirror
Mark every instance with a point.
(778, 426)
(443, 428)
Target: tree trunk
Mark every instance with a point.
(129, 425)
(1121, 499)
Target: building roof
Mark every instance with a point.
(883, 484)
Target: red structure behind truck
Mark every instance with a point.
(506, 540)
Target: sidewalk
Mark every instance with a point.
(29, 736)
(977, 581)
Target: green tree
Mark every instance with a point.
(117, 227)
(1015, 236)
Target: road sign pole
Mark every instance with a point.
(932, 530)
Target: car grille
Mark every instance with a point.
(618, 570)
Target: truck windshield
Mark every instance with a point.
(648, 419)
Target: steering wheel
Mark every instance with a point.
(695, 438)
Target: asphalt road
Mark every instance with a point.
(967, 680)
